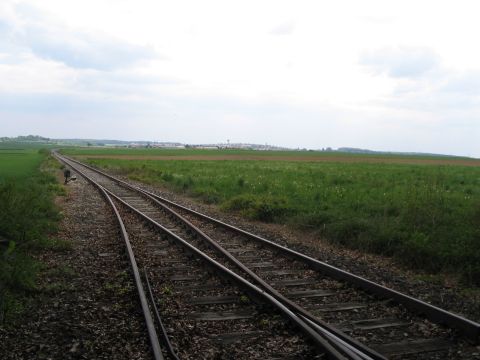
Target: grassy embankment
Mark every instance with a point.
(27, 217)
(427, 216)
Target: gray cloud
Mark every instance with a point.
(83, 51)
(444, 101)
(441, 91)
(75, 49)
(400, 62)
(166, 119)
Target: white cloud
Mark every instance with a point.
(404, 62)
(382, 75)
(31, 30)
(24, 73)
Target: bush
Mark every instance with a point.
(208, 195)
(262, 208)
(348, 231)
(240, 203)
(316, 220)
(44, 151)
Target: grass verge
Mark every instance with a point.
(28, 219)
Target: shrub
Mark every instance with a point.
(261, 208)
(240, 203)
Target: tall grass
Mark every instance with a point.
(426, 216)
(27, 217)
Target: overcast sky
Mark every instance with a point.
(384, 75)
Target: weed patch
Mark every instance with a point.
(265, 208)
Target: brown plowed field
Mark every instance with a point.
(341, 159)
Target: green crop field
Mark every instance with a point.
(19, 163)
(21, 160)
(123, 151)
(186, 152)
(427, 216)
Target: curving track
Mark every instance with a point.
(340, 315)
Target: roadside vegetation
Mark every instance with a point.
(428, 217)
(28, 218)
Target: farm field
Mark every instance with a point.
(20, 160)
(232, 154)
(426, 216)
(19, 164)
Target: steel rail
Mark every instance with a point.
(337, 338)
(152, 333)
(468, 328)
(168, 344)
(256, 293)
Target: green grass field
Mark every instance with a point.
(28, 217)
(427, 216)
(19, 163)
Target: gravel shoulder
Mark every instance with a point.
(439, 290)
(86, 305)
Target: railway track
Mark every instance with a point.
(343, 315)
(208, 311)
